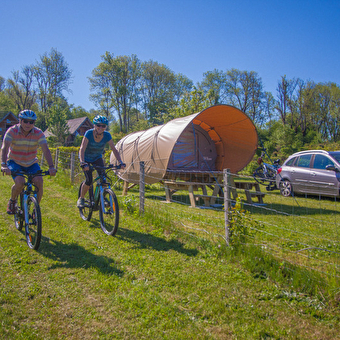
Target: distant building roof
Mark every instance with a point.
(73, 125)
(5, 114)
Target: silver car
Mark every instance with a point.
(315, 172)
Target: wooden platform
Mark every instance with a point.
(207, 186)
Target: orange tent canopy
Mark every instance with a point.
(232, 132)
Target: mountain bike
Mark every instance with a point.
(103, 199)
(266, 173)
(27, 211)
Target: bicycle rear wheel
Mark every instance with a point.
(86, 212)
(18, 216)
(109, 214)
(259, 176)
(33, 229)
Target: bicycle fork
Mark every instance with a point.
(26, 213)
(102, 200)
(101, 197)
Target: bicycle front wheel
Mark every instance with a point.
(109, 213)
(86, 212)
(33, 228)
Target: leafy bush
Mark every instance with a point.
(242, 228)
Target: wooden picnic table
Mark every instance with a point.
(248, 190)
(194, 182)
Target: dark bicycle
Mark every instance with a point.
(266, 173)
(28, 210)
(102, 199)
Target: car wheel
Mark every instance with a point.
(286, 188)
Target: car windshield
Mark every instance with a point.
(336, 156)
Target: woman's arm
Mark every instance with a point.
(82, 149)
(115, 151)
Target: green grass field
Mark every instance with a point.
(153, 280)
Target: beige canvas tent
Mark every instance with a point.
(214, 139)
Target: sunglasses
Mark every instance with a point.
(101, 125)
(28, 121)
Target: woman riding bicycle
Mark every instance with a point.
(91, 152)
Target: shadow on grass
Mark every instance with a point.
(289, 209)
(144, 241)
(75, 256)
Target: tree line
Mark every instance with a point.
(136, 95)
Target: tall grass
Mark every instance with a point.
(153, 280)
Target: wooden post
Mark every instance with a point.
(72, 166)
(226, 181)
(141, 188)
(125, 188)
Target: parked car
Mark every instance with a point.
(315, 172)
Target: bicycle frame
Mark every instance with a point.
(97, 196)
(272, 167)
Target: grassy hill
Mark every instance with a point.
(150, 281)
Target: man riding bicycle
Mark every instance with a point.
(91, 152)
(19, 153)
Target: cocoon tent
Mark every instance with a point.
(214, 139)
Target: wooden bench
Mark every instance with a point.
(247, 187)
(172, 186)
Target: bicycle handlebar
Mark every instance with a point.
(28, 175)
(109, 167)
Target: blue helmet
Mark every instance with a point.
(27, 114)
(100, 120)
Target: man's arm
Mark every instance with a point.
(4, 152)
(47, 154)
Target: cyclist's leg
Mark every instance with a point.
(86, 185)
(19, 181)
(37, 181)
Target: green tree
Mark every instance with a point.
(2, 84)
(115, 83)
(285, 92)
(21, 88)
(7, 103)
(162, 91)
(191, 102)
(57, 122)
(214, 86)
(245, 91)
(53, 77)
(78, 112)
(327, 108)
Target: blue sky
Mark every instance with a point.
(297, 38)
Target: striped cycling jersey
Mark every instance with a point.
(23, 149)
